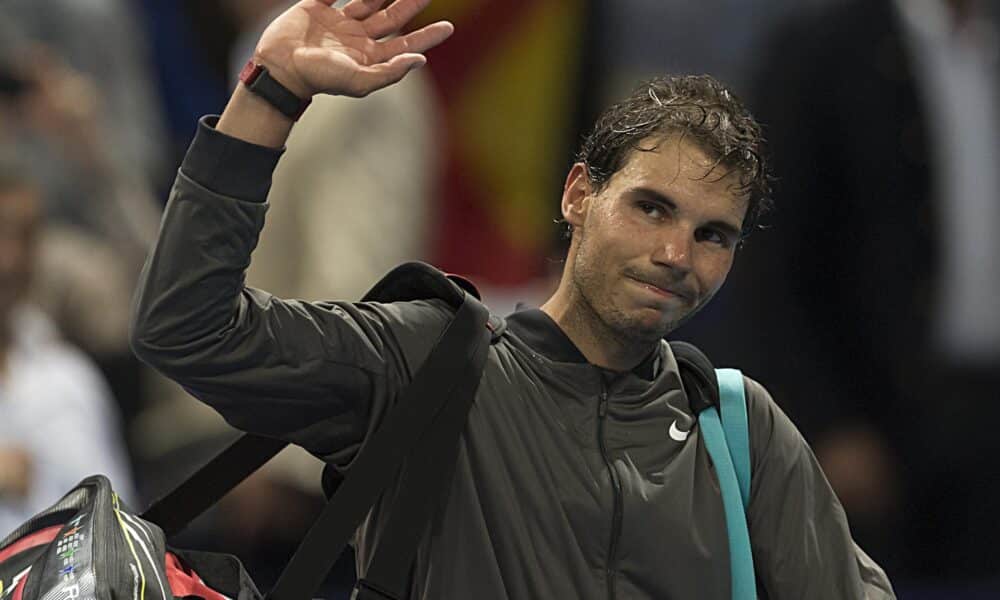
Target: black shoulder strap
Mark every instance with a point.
(420, 281)
(441, 378)
(697, 376)
(173, 511)
(447, 374)
(426, 482)
(178, 507)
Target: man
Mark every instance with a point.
(58, 423)
(567, 483)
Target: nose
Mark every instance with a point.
(675, 248)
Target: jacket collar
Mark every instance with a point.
(538, 330)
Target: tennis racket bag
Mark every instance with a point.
(89, 544)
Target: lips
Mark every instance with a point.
(664, 291)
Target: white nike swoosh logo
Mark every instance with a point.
(677, 434)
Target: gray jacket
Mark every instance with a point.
(567, 483)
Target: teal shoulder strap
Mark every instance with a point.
(723, 456)
(736, 425)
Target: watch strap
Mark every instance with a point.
(257, 79)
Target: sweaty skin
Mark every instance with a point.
(649, 249)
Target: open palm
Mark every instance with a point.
(316, 48)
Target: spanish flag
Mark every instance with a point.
(508, 81)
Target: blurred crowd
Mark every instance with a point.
(867, 304)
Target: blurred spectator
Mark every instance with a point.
(875, 293)
(190, 41)
(356, 182)
(52, 114)
(101, 40)
(57, 421)
(641, 39)
(100, 213)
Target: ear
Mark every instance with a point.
(576, 195)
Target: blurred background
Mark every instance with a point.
(868, 305)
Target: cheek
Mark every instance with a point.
(595, 265)
(600, 247)
(712, 273)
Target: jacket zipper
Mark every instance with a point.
(616, 486)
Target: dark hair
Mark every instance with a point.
(698, 107)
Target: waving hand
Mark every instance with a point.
(316, 48)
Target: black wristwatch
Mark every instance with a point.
(260, 82)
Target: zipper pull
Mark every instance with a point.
(602, 408)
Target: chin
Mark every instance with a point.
(643, 325)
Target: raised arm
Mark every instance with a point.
(318, 374)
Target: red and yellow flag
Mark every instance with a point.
(508, 85)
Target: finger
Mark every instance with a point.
(369, 79)
(420, 40)
(394, 17)
(360, 9)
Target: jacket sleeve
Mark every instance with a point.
(801, 542)
(321, 375)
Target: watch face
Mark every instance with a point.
(250, 72)
(260, 82)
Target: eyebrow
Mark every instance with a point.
(650, 194)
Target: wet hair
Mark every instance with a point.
(700, 109)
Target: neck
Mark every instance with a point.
(600, 345)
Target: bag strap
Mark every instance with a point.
(426, 483)
(173, 511)
(740, 557)
(434, 384)
(727, 441)
(248, 452)
(736, 426)
(697, 376)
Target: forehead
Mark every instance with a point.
(680, 169)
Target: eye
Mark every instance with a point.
(714, 236)
(651, 209)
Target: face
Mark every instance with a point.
(656, 242)
(19, 218)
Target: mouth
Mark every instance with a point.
(659, 291)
